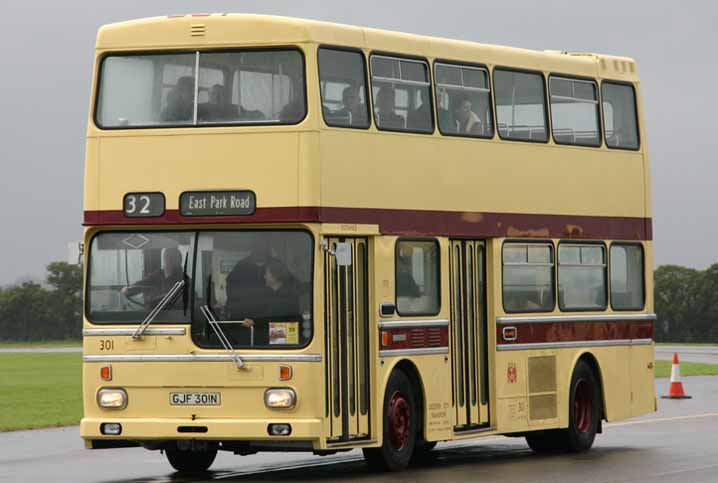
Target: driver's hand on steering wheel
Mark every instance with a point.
(124, 290)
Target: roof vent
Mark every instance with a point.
(197, 30)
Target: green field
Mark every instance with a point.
(40, 344)
(40, 390)
(663, 369)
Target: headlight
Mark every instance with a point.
(283, 398)
(112, 398)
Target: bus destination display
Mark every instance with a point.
(217, 203)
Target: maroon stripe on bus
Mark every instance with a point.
(533, 333)
(416, 222)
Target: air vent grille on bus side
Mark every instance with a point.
(542, 387)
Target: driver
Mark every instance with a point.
(155, 285)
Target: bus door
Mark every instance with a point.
(469, 334)
(346, 339)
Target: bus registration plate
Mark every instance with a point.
(195, 399)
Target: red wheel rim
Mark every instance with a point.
(583, 405)
(399, 420)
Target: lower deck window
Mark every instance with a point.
(528, 277)
(627, 279)
(417, 277)
(581, 277)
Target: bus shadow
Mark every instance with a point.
(464, 463)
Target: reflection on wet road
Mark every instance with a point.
(675, 444)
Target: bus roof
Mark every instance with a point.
(209, 31)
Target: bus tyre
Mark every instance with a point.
(399, 426)
(584, 409)
(583, 416)
(188, 461)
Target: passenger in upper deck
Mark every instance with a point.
(467, 122)
(354, 111)
(218, 109)
(385, 113)
(180, 101)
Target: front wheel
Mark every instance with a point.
(400, 426)
(189, 461)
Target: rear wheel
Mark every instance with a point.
(399, 428)
(584, 411)
(191, 461)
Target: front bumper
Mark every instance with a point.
(149, 429)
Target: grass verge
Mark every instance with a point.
(5, 344)
(40, 390)
(663, 369)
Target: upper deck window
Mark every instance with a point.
(342, 79)
(402, 94)
(201, 88)
(520, 105)
(619, 115)
(463, 100)
(574, 111)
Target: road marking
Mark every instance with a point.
(661, 420)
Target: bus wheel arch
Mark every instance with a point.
(401, 419)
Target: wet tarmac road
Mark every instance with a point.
(676, 444)
(689, 353)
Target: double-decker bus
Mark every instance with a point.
(303, 236)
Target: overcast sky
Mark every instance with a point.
(47, 50)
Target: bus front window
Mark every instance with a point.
(258, 285)
(201, 88)
(130, 272)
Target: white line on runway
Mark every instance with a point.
(661, 420)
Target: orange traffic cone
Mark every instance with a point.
(675, 389)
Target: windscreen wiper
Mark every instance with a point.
(161, 305)
(207, 312)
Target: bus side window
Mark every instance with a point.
(342, 79)
(528, 277)
(619, 116)
(627, 277)
(402, 94)
(417, 277)
(463, 100)
(520, 105)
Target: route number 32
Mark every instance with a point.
(137, 205)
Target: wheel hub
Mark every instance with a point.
(399, 420)
(583, 405)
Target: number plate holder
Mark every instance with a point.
(195, 399)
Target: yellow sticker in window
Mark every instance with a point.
(284, 332)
